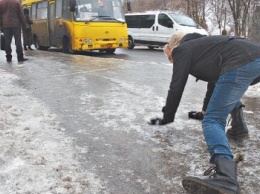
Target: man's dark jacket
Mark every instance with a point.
(206, 58)
(11, 14)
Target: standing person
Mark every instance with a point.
(233, 63)
(27, 33)
(11, 20)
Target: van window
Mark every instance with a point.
(184, 20)
(164, 20)
(140, 21)
(132, 21)
(146, 21)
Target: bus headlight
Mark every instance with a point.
(122, 40)
(87, 41)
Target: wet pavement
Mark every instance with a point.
(104, 102)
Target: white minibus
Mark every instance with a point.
(155, 28)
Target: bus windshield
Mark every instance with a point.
(99, 10)
(184, 20)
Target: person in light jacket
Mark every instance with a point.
(233, 63)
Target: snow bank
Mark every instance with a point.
(36, 156)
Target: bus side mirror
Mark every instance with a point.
(72, 5)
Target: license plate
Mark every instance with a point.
(106, 46)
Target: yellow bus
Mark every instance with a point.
(78, 25)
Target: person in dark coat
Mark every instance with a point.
(233, 63)
(27, 33)
(11, 21)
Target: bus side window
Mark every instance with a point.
(58, 9)
(33, 15)
(164, 20)
(42, 10)
(66, 10)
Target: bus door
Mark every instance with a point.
(51, 21)
(61, 14)
(40, 24)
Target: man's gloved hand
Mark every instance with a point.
(196, 115)
(156, 121)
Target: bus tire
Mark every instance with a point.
(131, 44)
(151, 47)
(37, 44)
(110, 51)
(67, 46)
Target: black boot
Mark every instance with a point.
(238, 125)
(24, 47)
(8, 58)
(21, 59)
(223, 181)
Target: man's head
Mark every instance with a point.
(176, 39)
(173, 43)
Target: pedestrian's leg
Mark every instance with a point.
(227, 94)
(8, 34)
(18, 43)
(29, 38)
(238, 125)
(210, 89)
(25, 44)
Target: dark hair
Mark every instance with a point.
(26, 11)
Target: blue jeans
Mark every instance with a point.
(227, 94)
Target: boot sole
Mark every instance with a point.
(238, 137)
(198, 186)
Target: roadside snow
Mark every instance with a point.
(36, 155)
(253, 91)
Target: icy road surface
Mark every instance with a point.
(78, 124)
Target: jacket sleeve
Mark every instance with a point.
(181, 70)
(22, 17)
(1, 22)
(28, 20)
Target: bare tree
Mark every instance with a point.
(240, 10)
(254, 29)
(196, 10)
(141, 5)
(218, 8)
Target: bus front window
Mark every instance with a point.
(99, 10)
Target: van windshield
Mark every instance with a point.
(183, 20)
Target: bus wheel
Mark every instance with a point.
(67, 46)
(110, 51)
(37, 44)
(131, 44)
(151, 47)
